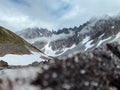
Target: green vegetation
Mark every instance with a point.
(10, 43)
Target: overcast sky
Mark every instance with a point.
(53, 14)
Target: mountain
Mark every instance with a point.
(16, 51)
(34, 33)
(86, 37)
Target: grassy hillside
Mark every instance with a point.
(10, 43)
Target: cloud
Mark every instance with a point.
(53, 14)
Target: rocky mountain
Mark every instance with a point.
(31, 33)
(90, 35)
(16, 51)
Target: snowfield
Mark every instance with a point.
(22, 59)
(50, 52)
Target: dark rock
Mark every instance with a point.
(35, 63)
(3, 64)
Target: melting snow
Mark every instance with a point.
(87, 42)
(50, 52)
(89, 45)
(116, 37)
(101, 36)
(86, 39)
(113, 27)
(69, 48)
(102, 41)
(22, 59)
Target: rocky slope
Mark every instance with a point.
(34, 33)
(97, 70)
(86, 37)
(13, 48)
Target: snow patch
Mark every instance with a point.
(101, 36)
(89, 45)
(102, 41)
(22, 59)
(50, 52)
(86, 39)
(87, 42)
(113, 27)
(69, 48)
(116, 37)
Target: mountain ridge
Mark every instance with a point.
(90, 35)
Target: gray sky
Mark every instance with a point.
(53, 14)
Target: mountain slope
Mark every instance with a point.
(86, 37)
(34, 33)
(13, 49)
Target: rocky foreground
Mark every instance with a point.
(96, 70)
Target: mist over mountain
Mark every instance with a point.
(19, 14)
(86, 37)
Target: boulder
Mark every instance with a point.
(3, 63)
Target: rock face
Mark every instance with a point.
(95, 70)
(3, 64)
(86, 37)
(34, 32)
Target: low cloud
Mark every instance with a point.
(53, 14)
